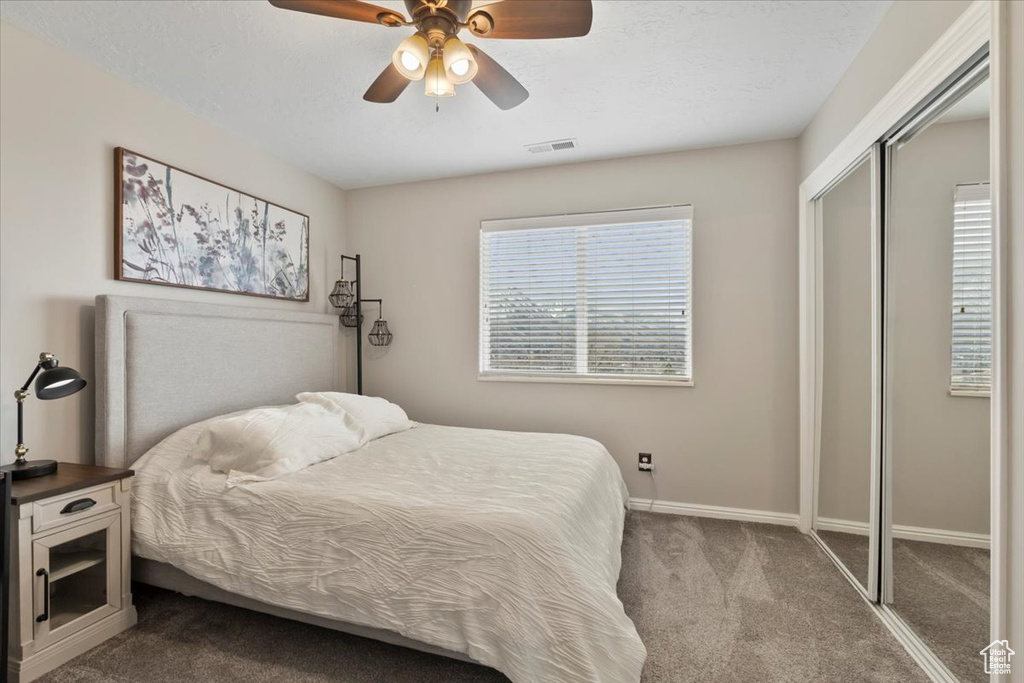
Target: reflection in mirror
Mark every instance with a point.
(938, 290)
(844, 451)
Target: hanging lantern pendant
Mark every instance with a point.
(342, 295)
(380, 335)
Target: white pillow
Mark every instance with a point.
(378, 416)
(270, 442)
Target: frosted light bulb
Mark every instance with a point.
(410, 62)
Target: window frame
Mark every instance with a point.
(584, 220)
(964, 390)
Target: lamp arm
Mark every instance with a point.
(28, 382)
(380, 306)
(20, 395)
(20, 450)
(354, 259)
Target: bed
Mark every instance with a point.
(495, 547)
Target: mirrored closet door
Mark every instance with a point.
(903, 367)
(938, 358)
(846, 298)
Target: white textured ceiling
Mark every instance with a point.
(652, 76)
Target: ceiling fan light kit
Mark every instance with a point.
(412, 56)
(459, 63)
(436, 54)
(438, 84)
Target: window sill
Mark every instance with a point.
(970, 393)
(547, 379)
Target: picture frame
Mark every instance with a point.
(176, 228)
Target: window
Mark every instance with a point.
(602, 297)
(972, 290)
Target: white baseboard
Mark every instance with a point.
(909, 533)
(843, 526)
(713, 511)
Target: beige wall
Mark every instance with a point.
(844, 461)
(906, 32)
(940, 443)
(60, 120)
(731, 439)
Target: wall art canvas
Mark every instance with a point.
(179, 229)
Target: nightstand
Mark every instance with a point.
(70, 565)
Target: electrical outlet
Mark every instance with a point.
(646, 462)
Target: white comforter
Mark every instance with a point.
(504, 546)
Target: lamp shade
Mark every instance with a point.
(437, 81)
(459, 64)
(380, 335)
(341, 296)
(411, 57)
(58, 382)
(349, 319)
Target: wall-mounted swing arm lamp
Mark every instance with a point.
(53, 381)
(348, 297)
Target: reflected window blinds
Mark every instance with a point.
(971, 368)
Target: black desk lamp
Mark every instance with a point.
(53, 382)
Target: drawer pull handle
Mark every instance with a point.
(46, 595)
(78, 506)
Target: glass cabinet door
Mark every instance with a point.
(76, 575)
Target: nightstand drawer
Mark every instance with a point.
(56, 512)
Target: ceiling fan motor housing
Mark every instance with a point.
(439, 20)
(437, 28)
(457, 9)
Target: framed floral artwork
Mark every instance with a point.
(179, 229)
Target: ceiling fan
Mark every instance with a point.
(436, 55)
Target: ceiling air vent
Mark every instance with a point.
(553, 146)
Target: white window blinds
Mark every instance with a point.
(971, 369)
(600, 297)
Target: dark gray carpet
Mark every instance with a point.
(714, 601)
(941, 591)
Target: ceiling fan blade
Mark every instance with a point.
(344, 9)
(500, 86)
(532, 19)
(388, 86)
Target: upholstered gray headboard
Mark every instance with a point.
(162, 365)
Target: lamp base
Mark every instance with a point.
(31, 469)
